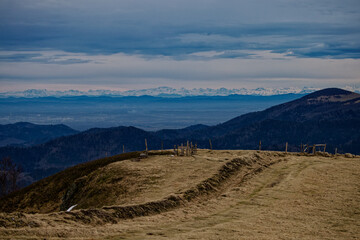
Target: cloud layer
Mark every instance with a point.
(178, 43)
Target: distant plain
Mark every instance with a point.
(146, 112)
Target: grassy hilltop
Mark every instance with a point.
(227, 193)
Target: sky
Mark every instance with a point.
(137, 44)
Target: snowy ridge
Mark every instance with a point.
(165, 92)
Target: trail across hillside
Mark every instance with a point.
(294, 197)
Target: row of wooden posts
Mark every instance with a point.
(306, 148)
(190, 149)
(179, 150)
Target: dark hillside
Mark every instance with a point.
(171, 134)
(42, 160)
(325, 105)
(343, 135)
(28, 134)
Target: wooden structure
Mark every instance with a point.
(313, 148)
(185, 150)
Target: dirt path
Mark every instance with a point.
(296, 198)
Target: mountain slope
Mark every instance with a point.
(273, 134)
(322, 105)
(27, 134)
(330, 104)
(330, 116)
(171, 134)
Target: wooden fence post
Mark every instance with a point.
(324, 147)
(259, 145)
(182, 150)
(314, 149)
(210, 144)
(286, 147)
(187, 148)
(123, 149)
(146, 147)
(335, 151)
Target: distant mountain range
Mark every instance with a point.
(330, 116)
(164, 92)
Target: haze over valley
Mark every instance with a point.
(146, 112)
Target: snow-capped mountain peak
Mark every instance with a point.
(165, 91)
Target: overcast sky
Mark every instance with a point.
(133, 44)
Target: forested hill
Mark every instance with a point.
(28, 134)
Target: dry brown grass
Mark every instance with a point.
(298, 197)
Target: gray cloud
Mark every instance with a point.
(159, 27)
(229, 43)
(40, 58)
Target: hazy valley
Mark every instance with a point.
(145, 112)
